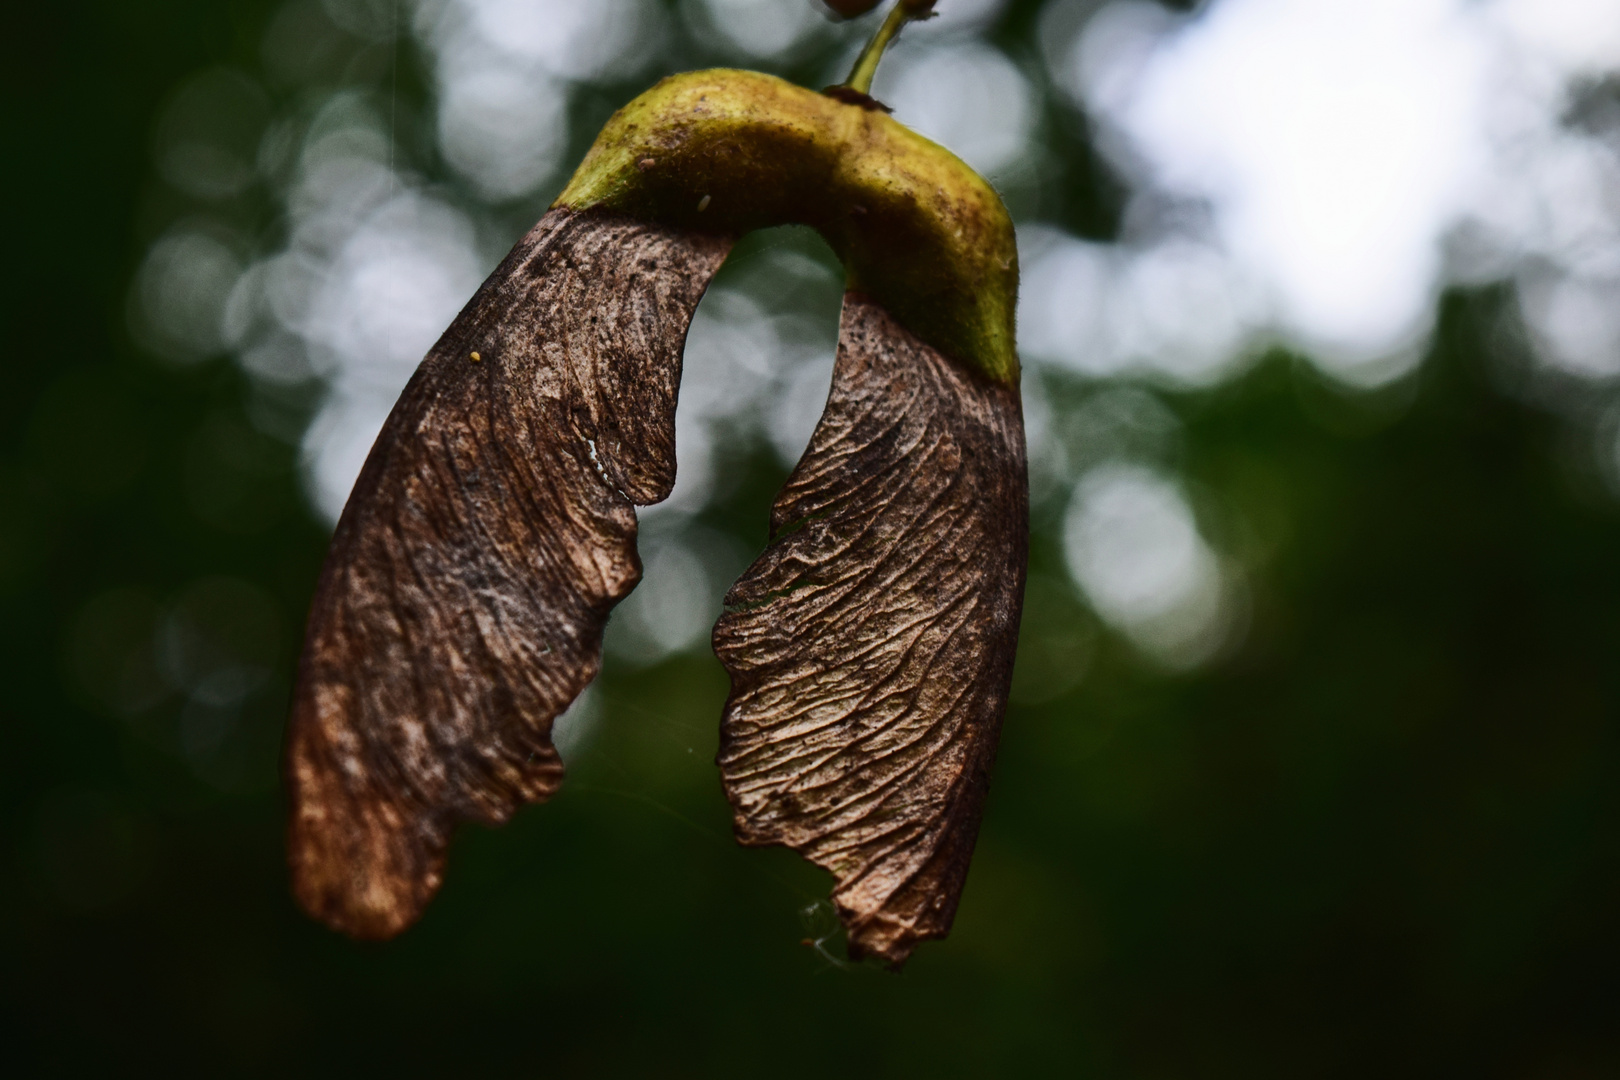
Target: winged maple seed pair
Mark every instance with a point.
(493, 527)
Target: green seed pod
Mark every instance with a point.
(492, 529)
(733, 151)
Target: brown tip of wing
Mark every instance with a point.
(361, 863)
(870, 648)
(492, 530)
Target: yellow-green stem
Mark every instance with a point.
(860, 76)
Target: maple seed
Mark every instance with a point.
(493, 526)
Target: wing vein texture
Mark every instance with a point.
(463, 599)
(870, 647)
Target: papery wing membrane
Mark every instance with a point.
(491, 531)
(871, 646)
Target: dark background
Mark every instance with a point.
(1382, 837)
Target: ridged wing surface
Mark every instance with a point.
(490, 533)
(870, 648)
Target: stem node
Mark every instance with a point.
(860, 76)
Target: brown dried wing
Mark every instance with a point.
(462, 603)
(871, 646)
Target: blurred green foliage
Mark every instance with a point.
(1381, 838)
